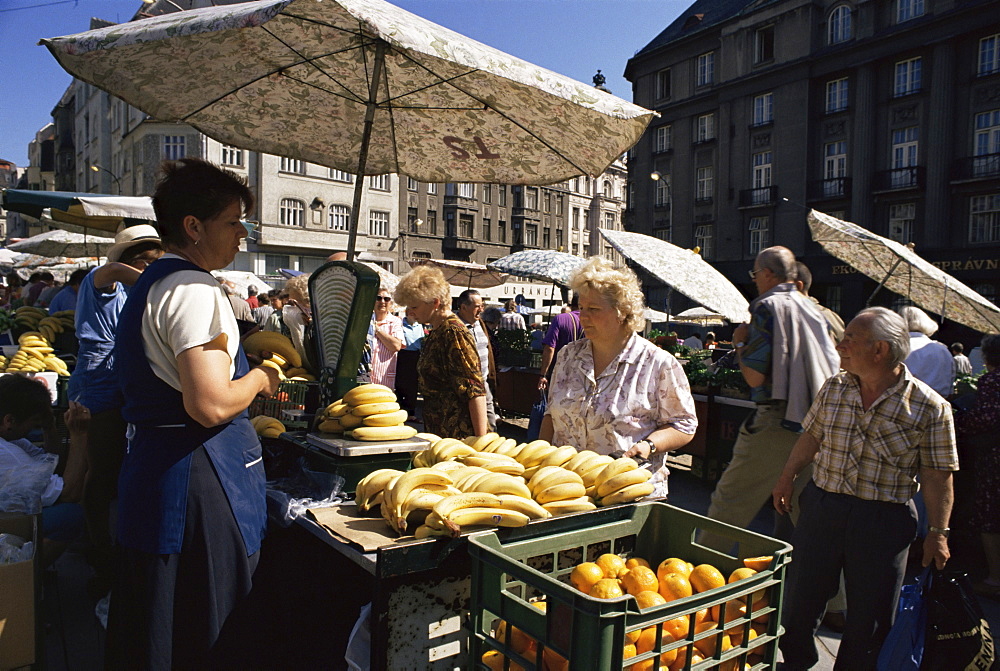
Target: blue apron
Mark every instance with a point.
(153, 486)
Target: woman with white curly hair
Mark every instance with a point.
(614, 390)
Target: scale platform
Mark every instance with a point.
(335, 445)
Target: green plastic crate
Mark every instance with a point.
(507, 574)
(291, 395)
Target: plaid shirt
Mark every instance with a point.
(875, 454)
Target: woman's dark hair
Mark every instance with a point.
(192, 186)
(991, 350)
(132, 253)
(23, 397)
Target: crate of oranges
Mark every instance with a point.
(631, 590)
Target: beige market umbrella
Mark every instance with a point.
(386, 279)
(58, 242)
(463, 273)
(898, 268)
(357, 85)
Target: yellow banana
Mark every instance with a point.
(628, 494)
(491, 517)
(374, 409)
(388, 419)
(337, 409)
(632, 477)
(377, 433)
(276, 343)
(448, 467)
(501, 483)
(350, 421)
(271, 433)
(560, 492)
(424, 531)
(362, 393)
(419, 459)
(278, 359)
(446, 507)
(506, 448)
(522, 505)
(429, 437)
(578, 505)
(579, 462)
(558, 456)
(452, 450)
(267, 363)
(615, 467)
(407, 482)
(594, 469)
(434, 521)
(480, 443)
(331, 426)
(485, 459)
(419, 499)
(534, 452)
(372, 484)
(545, 479)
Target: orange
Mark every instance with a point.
(758, 605)
(632, 636)
(553, 661)
(758, 563)
(701, 615)
(607, 588)
(736, 636)
(675, 586)
(494, 659)
(585, 575)
(628, 651)
(647, 641)
(636, 561)
(705, 577)
(678, 627)
(735, 609)
(520, 641)
(708, 644)
(611, 564)
(682, 655)
(741, 573)
(646, 665)
(648, 599)
(640, 579)
(673, 565)
(621, 574)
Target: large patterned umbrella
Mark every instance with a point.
(63, 243)
(684, 270)
(360, 86)
(463, 273)
(539, 264)
(898, 268)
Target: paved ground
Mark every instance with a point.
(75, 640)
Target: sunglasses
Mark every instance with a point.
(383, 298)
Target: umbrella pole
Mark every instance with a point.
(366, 137)
(882, 283)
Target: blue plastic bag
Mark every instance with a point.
(535, 421)
(903, 648)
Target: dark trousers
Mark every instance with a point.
(406, 379)
(105, 452)
(868, 540)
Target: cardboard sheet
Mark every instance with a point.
(346, 524)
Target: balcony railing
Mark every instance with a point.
(703, 200)
(838, 187)
(764, 195)
(977, 167)
(900, 178)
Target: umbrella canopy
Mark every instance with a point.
(900, 269)
(654, 316)
(386, 279)
(84, 210)
(463, 273)
(63, 243)
(699, 315)
(684, 270)
(243, 279)
(357, 85)
(7, 257)
(539, 264)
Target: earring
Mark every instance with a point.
(196, 242)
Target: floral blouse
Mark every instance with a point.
(985, 415)
(643, 389)
(449, 378)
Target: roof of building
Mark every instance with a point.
(700, 15)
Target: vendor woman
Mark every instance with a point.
(614, 390)
(191, 511)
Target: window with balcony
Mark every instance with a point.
(759, 234)
(905, 146)
(907, 77)
(901, 218)
(378, 224)
(339, 218)
(661, 197)
(531, 235)
(466, 225)
(908, 9)
(174, 147)
(232, 156)
(834, 168)
(984, 218)
(432, 222)
(763, 109)
(838, 25)
(291, 165)
(378, 182)
(705, 69)
(762, 170)
(987, 142)
(291, 212)
(703, 237)
(341, 176)
(836, 95)
(705, 128)
(664, 139)
(705, 184)
(989, 55)
(663, 84)
(763, 45)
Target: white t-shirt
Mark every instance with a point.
(184, 310)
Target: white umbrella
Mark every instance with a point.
(360, 86)
(63, 243)
(654, 316)
(243, 279)
(699, 315)
(7, 257)
(463, 273)
(386, 279)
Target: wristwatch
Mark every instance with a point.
(937, 530)
(652, 448)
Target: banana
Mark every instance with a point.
(407, 482)
(534, 452)
(448, 466)
(494, 444)
(501, 483)
(373, 433)
(480, 443)
(338, 409)
(434, 521)
(424, 531)
(615, 467)
(560, 492)
(270, 364)
(545, 479)
(594, 469)
(446, 507)
(464, 478)
(331, 426)
(376, 481)
(388, 419)
(579, 462)
(297, 372)
(579, 505)
(506, 448)
(429, 437)
(419, 499)
(365, 393)
(633, 477)
(350, 421)
(471, 483)
(453, 450)
(491, 517)
(506, 467)
(419, 459)
(276, 343)
(628, 494)
(485, 459)
(271, 432)
(559, 456)
(278, 359)
(522, 505)
(374, 409)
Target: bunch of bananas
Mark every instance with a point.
(368, 412)
(622, 481)
(269, 427)
(52, 325)
(34, 356)
(27, 317)
(282, 355)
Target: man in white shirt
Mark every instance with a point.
(929, 360)
(694, 342)
(470, 307)
(962, 364)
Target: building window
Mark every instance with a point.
(759, 235)
(834, 168)
(432, 188)
(340, 218)
(836, 95)
(763, 45)
(662, 193)
(173, 147)
(987, 291)
(989, 55)
(502, 231)
(706, 128)
(703, 239)
(378, 223)
(832, 298)
(432, 222)
(411, 220)
(341, 176)
(629, 195)
(232, 156)
(487, 230)
(546, 238)
(706, 69)
(987, 141)
(907, 77)
(705, 183)
(292, 165)
(559, 205)
(609, 220)
(984, 218)
(908, 9)
(531, 198)
(467, 190)
(487, 193)
(531, 235)
(411, 184)
(608, 190)
(763, 109)
(904, 149)
(273, 262)
(421, 254)
(291, 212)
(546, 201)
(379, 182)
(663, 84)
(901, 222)
(838, 27)
(664, 139)
(663, 231)
(762, 170)
(466, 225)
(502, 195)
(560, 239)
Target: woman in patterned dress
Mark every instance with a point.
(449, 374)
(614, 390)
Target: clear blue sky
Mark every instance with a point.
(571, 37)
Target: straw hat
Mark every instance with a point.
(130, 237)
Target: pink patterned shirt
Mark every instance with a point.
(384, 359)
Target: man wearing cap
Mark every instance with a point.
(94, 382)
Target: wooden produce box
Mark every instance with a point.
(19, 596)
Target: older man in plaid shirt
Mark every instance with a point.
(870, 432)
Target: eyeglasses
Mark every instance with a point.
(753, 273)
(383, 298)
